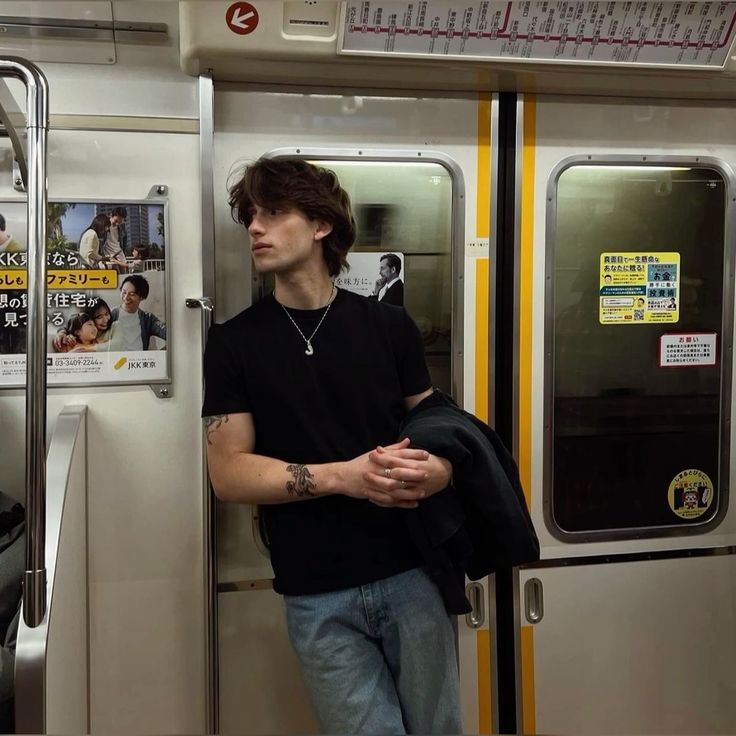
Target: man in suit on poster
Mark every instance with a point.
(389, 287)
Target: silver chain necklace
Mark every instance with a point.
(308, 340)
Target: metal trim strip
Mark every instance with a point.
(207, 306)
(245, 586)
(493, 275)
(125, 123)
(623, 557)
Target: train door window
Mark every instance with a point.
(638, 336)
(407, 207)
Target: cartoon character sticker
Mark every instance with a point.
(690, 494)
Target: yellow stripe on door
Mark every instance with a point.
(484, 680)
(482, 230)
(481, 338)
(528, 707)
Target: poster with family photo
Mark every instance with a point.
(106, 293)
(375, 275)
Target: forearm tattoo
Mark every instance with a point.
(303, 483)
(213, 423)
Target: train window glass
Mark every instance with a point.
(406, 207)
(636, 448)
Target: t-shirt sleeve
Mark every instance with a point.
(412, 366)
(224, 379)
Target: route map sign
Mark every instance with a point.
(675, 34)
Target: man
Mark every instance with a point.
(389, 287)
(8, 244)
(305, 392)
(112, 248)
(132, 328)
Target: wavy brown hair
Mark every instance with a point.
(292, 183)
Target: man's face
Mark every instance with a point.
(129, 298)
(115, 220)
(283, 240)
(387, 273)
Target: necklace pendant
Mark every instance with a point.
(310, 349)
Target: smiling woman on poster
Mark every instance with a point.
(65, 341)
(132, 328)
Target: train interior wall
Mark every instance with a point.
(117, 130)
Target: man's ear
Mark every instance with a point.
(323, 229)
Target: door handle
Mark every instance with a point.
(477, 616)
(534, 600)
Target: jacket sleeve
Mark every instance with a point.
(88, 248)
(158, 328)
(151, 326)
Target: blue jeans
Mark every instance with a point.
(380, 658)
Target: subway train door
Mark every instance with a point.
(625, 362)
(416, 167)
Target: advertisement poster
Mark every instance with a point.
(106, 300)
(638, 288)
(375, 275)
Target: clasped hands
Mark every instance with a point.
(397, 476)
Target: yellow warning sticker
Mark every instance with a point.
(690, 494)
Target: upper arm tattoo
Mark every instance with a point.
(303, 483)
(213, 423)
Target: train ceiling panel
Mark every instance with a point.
(657, 49)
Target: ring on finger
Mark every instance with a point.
(403, 484)
(387, 472)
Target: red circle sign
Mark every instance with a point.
(241, 18)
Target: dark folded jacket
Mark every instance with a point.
(480, 523)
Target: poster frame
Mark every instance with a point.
(157, 385)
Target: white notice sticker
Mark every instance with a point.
(688, 350)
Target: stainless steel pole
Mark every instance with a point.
(206, 306)
(37, 122)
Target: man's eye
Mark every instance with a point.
(273, 212)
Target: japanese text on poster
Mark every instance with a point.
(106, 293)
(683, 34)
(684, 350)
(636, 288)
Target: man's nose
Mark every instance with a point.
(255, 226)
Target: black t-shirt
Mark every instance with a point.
(327, 407)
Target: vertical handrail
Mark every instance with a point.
(37, 122)
(206, 306)
(209, 544)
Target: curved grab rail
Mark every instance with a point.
(51, 659)
(37, 123)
